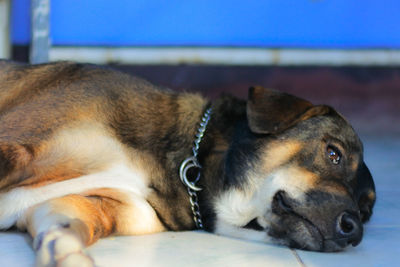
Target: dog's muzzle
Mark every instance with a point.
(312, 226)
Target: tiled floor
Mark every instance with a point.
(380, 247)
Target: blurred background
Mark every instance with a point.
(339, 52)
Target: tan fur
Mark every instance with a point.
(72, 151)
(301, 179)
(278, 153)
(371, 194)
(354, 163)
(94, 214)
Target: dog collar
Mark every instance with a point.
(192, 162)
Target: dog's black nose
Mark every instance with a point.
(349, 229)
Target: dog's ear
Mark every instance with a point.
(365, 192)
(270, 111)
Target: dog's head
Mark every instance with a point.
(295, 174)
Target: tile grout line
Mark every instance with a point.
(299, 260)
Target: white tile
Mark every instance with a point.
(380, 247)
(382, 156)
(188, 249)
(165, 249)
(15, 250)
(387, 209)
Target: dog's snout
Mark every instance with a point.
(349, 228)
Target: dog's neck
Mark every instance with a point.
(174, 143)
(228, 113)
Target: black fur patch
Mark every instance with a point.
(241, 156)
(254, 225)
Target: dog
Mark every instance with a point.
(87, 152)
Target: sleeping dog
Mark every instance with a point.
(87, 152)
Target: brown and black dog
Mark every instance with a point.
(87, 152)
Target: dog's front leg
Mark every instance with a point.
(61, 228)
(60, 246)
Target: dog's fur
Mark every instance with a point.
(87, 152)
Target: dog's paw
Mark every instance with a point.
(60, 247)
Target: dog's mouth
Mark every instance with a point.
(296, 230)
(307, 235)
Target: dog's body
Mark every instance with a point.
(86, 152)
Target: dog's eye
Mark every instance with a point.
(334, 154)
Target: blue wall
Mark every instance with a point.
(20, 21)
(268, 23)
